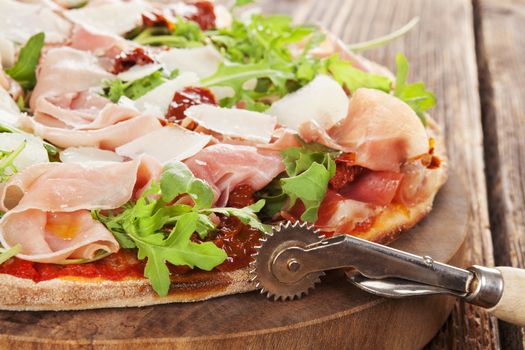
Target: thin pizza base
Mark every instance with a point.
(71, 293)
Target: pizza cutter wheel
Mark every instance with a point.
(291, 259)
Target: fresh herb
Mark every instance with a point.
(241, 3)
(415, 95)
(161, 228)
(184, 34)
(308, 170)
(352, 78)
(7, 158)
(24, 69)
(115, 89)
(386, 39)
(6, 254)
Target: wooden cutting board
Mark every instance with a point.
(335, 315)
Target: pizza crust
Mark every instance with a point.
(20, 294)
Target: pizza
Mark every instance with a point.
(146, 146)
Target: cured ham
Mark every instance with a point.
(375, 187)
(380, 129)
(48, 207)
(65, 70)
(107, 138)
(226, 166)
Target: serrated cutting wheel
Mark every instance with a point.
(264, 271)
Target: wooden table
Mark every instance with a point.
(472, 55)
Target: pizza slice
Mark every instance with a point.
(142, 159)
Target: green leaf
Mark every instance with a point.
(352, 78)
(310, 187)
(240, 3)
(177, 179)
(415, 95)
(6, 254)
(25, 67)
(7, 168)
(185, 34)
(247, 215)
(115, 89)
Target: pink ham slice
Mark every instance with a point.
(48, 206)
(383, 131)
(107, 138)
(375, 187)
(226, 166)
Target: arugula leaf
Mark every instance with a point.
(352, 78)
(308, 170)
(247, 215)
(115, 89)
(6, 254)
(24, 69)
(240, 3)
(177, 179)
(163, 231)
(185, 34)
(7, 168)
(235, 75)
(415, 95)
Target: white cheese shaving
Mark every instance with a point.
(7, 52)
(88, 154)
(137, 72)
(33, 152)
(167, 144)
(21, 20)
(322, 100)
(157, 101)
(203, 61)
(113, 18)
(9, 112)
(239, 123)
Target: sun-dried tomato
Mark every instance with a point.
(186, 98)
(154, 19)
(241, 196)
(205, 15)
(125, 60)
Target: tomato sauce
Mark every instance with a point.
(127, 59)
(187, 97)
(113, 267)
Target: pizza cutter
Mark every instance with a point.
(291, 259)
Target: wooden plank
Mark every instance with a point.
(501, 46)
(442, 52)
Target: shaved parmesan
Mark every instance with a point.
(88, 154)
(203, 61)
(167, 144)
(114, 17)
(322, 100)
(158, 100)
(9, 112)
(7, 52)
(21, 20)
(136, 72)
(240, 123)
(33, 152)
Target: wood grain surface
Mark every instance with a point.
(501, 52)
(442, 52)
(336, 315)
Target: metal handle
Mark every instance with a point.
(371, 259)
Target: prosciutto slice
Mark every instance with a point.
(48, 206)
(383, 131)
(226, 166)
